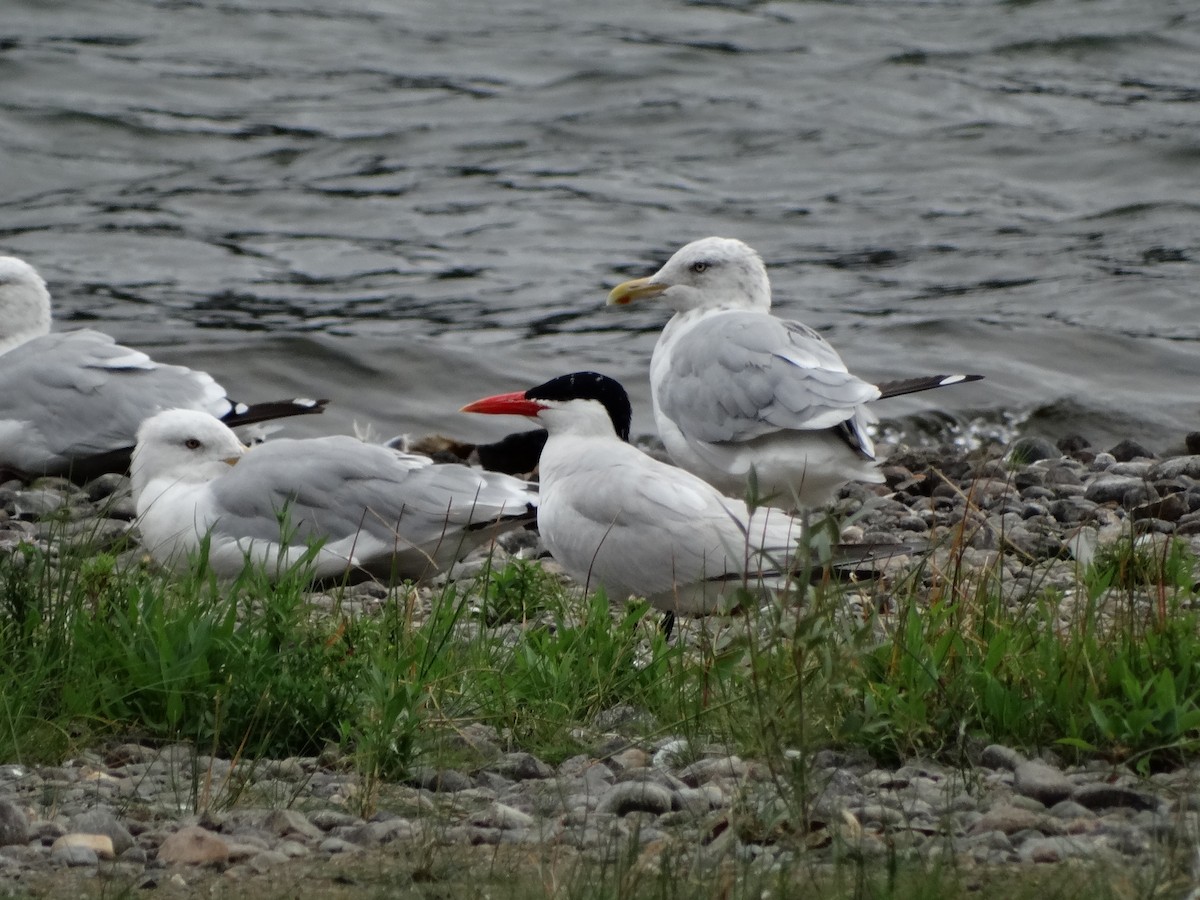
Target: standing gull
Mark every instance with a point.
(614, 517)
(71, 402)
(355, 507)
(736, 389)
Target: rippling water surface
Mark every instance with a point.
(405, 205)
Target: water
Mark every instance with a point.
(406, 205)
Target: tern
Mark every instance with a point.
(337, 504)
(616, 518)
(740, 394)
(71, 402)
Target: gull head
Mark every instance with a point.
(582, 403)
(24, 303)
(711, 273)
(184, 445)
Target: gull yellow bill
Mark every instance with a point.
(637, 289)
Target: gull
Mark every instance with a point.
(742, 396)
(71, 402)
(616, 518)
(335, 504)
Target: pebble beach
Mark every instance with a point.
(165, 817)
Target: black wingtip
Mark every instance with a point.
(251, 414)
(923, 383)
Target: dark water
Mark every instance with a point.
(406, 205)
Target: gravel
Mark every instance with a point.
(1034, 518)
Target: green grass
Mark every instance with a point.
(1109, 667)
(1106, 666)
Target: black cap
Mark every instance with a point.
(590, 386)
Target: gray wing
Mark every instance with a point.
(651, 529)
(77, 394)
(739, 375)
(336, 487)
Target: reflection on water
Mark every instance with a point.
(404, 206)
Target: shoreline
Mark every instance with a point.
(639, 786)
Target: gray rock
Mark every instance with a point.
(337, 845)
(284, 822)
(1071, 510)
(628, 759)
(636, 796)
(1114, 489)
(853, 762)
(128, 755)
(475, 835)
(1176, 467)
(1069, 809)
(705, 770)
(101, 820)
(997, 756)
(492, 781)
(326, 819)
(521, 766)
(294, 849)
(74, 855)
(1028, 803)
(440, 780)
(1170, 508)
(878, 814)
(266, 860)
(105, 485)
(14, 824)
(135, 855)
(1057, 848)
(1127, 840)
(699, 801)
(500, 815)
(1034, 542)
(482, 739)
(991, 840)
(1010, 820)
(1128, 450)
(1188, 801)
(575, 765)
(1105, 796)
(883, 779)
(1062, 474)
(241, 850)
(372, 834)
(288, 769)
(35, 504)
(1031, 449)
(1044, 783)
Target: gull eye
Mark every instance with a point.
(699, 266)
(192, 443)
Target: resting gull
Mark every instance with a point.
(71, 402)
(737, 390)
(615, 517)
(355, 507)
